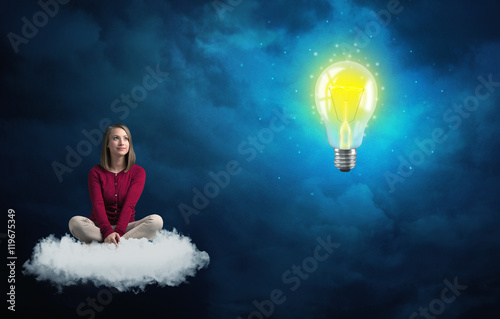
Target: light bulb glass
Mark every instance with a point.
(346, 97)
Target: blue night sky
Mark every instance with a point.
(209, 86)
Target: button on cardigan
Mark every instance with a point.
(114, 196)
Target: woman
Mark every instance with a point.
(115, 186)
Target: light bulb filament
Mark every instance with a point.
(345, 135)
(349, 96)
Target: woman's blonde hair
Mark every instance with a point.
(106, 156)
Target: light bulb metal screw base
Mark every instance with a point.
(345, 160)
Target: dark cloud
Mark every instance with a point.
(304, 17)
(467, 26)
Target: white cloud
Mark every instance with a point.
(166, 260)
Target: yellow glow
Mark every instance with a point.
(346, 96)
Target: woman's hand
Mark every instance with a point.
(113, 238)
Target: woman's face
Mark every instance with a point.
(118, 142)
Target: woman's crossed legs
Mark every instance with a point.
(87, 231)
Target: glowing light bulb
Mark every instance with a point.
(346, 96)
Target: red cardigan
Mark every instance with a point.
(114, 196)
